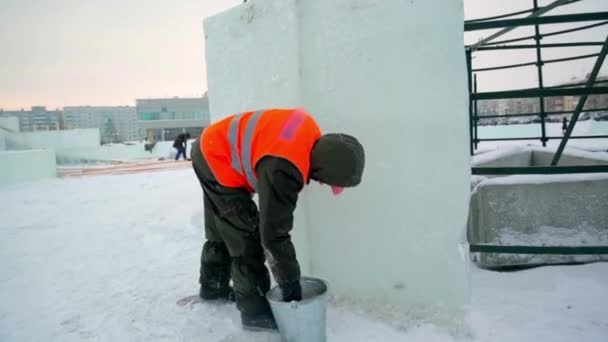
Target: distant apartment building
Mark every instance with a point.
(502, 107)
(598, 101)
(164, 119)
(526, 105)
(556, 104)
(116, 123)
(487, 107)
(508, 106)
(38, 118)
(569, 103)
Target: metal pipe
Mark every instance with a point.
(539, 68)
(575, 84)
(476, 112)
(582, 137)
(536, 19)
(526, 93)
(555, 33)
(505, 66)
(557, 60)
(501, 16)
(510, 139)
(550, 138)
(538, 170)
(555, 250)
(538, 113)
(469, 83)
(533, 46)
(533, 15)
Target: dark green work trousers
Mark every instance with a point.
(233, 248)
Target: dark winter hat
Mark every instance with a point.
(338, 160)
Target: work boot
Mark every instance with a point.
(224, 293)
(262, 322)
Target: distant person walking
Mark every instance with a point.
(564, 125)
(180, 144)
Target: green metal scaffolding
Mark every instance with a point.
(590, 86)
(535, 18)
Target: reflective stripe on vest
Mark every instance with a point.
(243, 161)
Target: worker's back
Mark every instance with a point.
(234, 145)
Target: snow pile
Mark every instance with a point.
(544, 179)
(577, 152)
(511, 153)
(106, 258)
(489, 156)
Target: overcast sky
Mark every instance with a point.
(110, 52)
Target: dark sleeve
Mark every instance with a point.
(279, 183)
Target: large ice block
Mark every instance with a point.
(24, 166)
(252, 58)
(10, 123)
(393, 74)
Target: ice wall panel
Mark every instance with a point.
(393, 74)
(253, 62)
(22, 166)
(10, 123)
(390, 74)
(63, 139)
(252, 57)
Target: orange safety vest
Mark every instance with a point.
(233, 146)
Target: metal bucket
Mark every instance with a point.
(301, 321)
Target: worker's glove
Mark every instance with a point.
(292, 291)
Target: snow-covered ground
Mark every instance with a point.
(106, 258)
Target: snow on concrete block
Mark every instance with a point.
(543, 157)
(517, 156)
(504, 157)
(367, 68)
(23, 166)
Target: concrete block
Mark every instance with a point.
(539, 210)
(511, 157)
